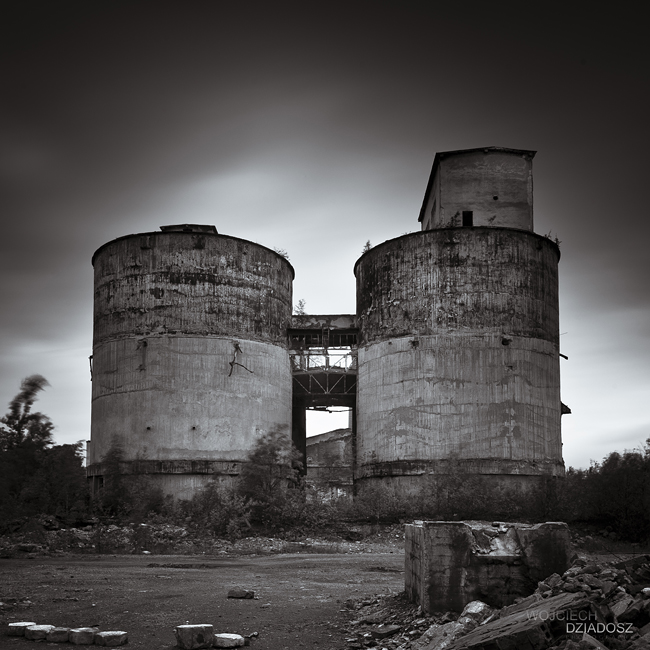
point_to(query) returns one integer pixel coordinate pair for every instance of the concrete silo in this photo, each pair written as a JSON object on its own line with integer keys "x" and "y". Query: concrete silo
{"x": 190, "y": 361}
{"x": 458, "y": 365}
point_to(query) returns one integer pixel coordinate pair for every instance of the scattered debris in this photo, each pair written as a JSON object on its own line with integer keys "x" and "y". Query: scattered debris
{"x": 591, "y": 605}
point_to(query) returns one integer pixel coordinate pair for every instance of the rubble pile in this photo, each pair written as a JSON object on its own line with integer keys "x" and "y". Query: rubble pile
{"x": 592, "y": 605}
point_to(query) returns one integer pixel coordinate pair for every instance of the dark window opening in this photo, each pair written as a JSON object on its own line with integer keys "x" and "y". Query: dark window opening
{"x": 468, "y": 218}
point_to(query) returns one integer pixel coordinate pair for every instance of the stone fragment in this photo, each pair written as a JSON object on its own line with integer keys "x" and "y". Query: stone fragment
{"x": 640, "y": 644}
{"x": 189, "y": 637}
{"x": 228, "y": 640}
{"x": 384, "y": 631}
{"x": 477, "y": 610}
{"x": 374, "y": 619}
{"x": 238, "y": 592}
{"x": 592, "y": 642}
{"x": 82, "y": 635}
{"x": 18, "y": 629}
{"x": 592, "y": 581}
{"x": 620, "y": 605}
{"x": 443, "y": 636}
{"x": 111, "y": 638}
{"x": 35, "y": 632}
{"x": 58, "y": 635}
{"x": 608, "y": 587}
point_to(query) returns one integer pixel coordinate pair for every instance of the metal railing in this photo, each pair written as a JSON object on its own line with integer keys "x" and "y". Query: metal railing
{"x": 324, "y": 359}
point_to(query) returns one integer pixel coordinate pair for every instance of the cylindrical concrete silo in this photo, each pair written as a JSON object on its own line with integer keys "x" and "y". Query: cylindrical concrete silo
{"x": 190, "y": 362}
{"x": 458, "y": 359}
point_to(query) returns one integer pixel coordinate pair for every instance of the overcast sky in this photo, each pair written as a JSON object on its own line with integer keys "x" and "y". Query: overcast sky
{"x": 311, "y": 127}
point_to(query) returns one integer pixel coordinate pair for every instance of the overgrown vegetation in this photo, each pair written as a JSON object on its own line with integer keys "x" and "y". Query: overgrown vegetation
{"x": 271, "y": 496}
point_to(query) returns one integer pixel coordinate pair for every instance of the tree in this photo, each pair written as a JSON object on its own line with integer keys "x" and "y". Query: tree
{"x": 20, "y": 427}
{"x": 59, "y": 486}
{"x": 366, "y": 247}
{"x": 270, "y": 476}
{"x": 299, "y": 309}
{"x": 24, "y": 440}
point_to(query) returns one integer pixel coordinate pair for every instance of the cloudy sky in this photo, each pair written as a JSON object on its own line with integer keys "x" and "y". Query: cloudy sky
{"x": 311, "y": 126}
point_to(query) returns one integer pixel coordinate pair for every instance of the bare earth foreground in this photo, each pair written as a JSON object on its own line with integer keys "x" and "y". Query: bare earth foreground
{"x": 299, "y": 598}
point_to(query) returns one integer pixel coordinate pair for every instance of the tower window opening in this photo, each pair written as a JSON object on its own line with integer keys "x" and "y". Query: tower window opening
{"x": 468, "y": 218}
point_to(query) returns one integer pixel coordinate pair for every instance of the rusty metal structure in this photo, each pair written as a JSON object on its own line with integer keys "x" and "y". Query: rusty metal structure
{"x": 451, "y": 362}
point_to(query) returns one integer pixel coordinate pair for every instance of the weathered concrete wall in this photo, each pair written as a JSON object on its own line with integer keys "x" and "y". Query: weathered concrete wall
{"x": 459, "y": 280}
{"x": 190, "y": 363}
{"x": 496, "y": 184}
{"x": 459, "y": 354}
{"x": 177, "y": 283}
{"x": 449, "y": 564}
{"x": 329, "y": 462}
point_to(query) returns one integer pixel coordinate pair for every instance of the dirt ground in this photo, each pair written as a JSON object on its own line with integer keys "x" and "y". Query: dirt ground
{"x": 299, "y": 598}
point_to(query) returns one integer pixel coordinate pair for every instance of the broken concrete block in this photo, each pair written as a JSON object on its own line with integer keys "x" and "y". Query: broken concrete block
{"x": 189, "y": 637}
{"x": 111, "y": 638}
{"x": 449, "y": 564}
{"x": 238, "y": 592}
{"x": 82, "y": 635}
{"x": 228, "y": 640}
{"x": 384, "y": 631}
{"x": 18, "y": 629}
{"x": 58, "y": 635}
{"x": 35, "y": 632}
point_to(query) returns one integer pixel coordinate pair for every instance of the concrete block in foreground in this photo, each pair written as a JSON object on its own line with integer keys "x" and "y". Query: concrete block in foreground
{"x": 58, "y": 635}
{"x": 189, "y": 637}
{"x": 82, "y": 635}
{"x": 18, "y": 628}
{"x": 228, "y": 640}
{"x": 449, "y": 564}
{"x": 111, "y": 638}
{"x": 36, "y": 632}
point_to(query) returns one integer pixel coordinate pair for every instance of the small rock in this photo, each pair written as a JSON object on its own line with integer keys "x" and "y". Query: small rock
{"x": 238, "y": 592}
{"x": 228, "y": 640}
{"x": 189, "y": 637}
{"x": 111, "y": 638}
{"x": 18, "y": 629}
{"x": 35, "y": 632}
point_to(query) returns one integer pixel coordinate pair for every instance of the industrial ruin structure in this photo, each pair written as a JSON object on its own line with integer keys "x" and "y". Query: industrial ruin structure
{"x": 451, "y": 362}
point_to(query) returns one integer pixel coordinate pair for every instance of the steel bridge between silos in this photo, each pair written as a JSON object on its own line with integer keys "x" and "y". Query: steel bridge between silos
{"x": 323, "y": 354}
